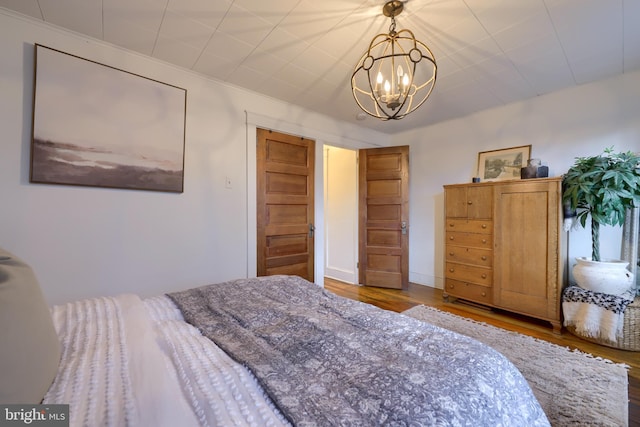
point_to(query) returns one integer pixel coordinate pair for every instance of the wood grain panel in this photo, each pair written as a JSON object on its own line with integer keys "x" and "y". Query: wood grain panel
{"x": 286, "y": 153}
{"x": 470, "y": 291}
{"x": 384, "y": 217}
{"x": 469, "y": 273}
{"x": 387, "y": 187}
{"x": 287, "y": 214}
{"x": 286, "y": 184}
{"x": 285, "y": 170}
{"x": 470, "y": 226}
{"x": 384, "y": 213}
{"x": 387, "y": 238}
{"x": 386, "y": 263}
{"x": 390, "y": 162}
{"x": 469, "y": 239}
{"x": 466, "y": 255}
{"x": 282, "y": 245}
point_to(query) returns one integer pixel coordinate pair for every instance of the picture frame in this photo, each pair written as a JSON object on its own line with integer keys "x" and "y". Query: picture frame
{"x": 503, "y": 164}
{"x": 100, "y": 126}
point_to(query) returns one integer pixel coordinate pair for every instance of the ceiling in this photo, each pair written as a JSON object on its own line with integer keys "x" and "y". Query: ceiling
{"x": 489, "y": 52}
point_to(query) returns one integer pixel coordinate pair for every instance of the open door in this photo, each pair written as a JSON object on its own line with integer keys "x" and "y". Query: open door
{"x": 285, "y": 204}
{"x": 384, "y": 217}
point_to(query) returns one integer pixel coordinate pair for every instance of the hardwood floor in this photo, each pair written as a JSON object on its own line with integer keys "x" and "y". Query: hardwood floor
{"x": 401, "y": 300}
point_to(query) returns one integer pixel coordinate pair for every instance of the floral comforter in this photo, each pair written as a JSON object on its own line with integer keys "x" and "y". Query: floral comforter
{"x": 327, "y": 360}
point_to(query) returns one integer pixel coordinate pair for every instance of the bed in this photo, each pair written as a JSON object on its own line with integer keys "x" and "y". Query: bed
{"x": 270, "y": 351}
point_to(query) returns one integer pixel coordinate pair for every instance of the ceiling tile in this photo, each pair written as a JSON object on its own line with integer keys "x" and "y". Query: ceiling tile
{"x": 176, "y": 52}
{"x": 264, "y": 62}
{"x": 283, "y": 44}
{"x": 82, "y": 16}
{"x": 245, "y": 26}
{"x": 534, "y": 29}
{"x": 545, "y": 45}
{"x": 547, "y": 73}
{"x": 207, "y": 12}
{"x": 306, "y": 23}
{"x": 280, "y": 89}
{"x": 215, "y": 66}
{"x": 498, "y": 15}
{"x": 585, "y": 27}
{"x": 144, "y": 13}
{"x": 246, "y": 77}
{"x": 477, "y": 52}
{"x": 272, "y": 11}
{"x": 129, "y": 35}
{"x": 26, "y": 7}
{"x": 224, "y": 46}
{"x": 599, "y": 66}
{"x": 296, "y": 76}
{"x": 184, "y": 30}
{"x": 343, "y": 43}
{"x": 315, "y": 61}
{"x": 506, "y": 84}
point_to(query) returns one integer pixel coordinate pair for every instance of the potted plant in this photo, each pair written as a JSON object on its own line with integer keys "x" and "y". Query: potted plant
{"x": 602, "y": 188}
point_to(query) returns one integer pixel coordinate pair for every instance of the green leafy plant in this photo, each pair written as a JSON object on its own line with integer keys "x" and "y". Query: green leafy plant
{"x": 602, "y": 187}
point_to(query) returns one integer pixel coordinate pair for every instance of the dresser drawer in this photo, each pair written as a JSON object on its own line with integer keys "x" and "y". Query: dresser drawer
{"x": 464, "y": 290}
{"x": 484, "y": 241}
{"x": 465, "y": 255}
{"x": 469, "y": 273}
{"x": 469, "y": 225}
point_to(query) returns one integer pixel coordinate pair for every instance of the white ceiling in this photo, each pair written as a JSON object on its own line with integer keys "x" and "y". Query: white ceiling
{"x": 489, "y": 52}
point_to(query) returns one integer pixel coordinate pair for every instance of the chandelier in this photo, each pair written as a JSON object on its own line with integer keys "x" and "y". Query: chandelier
{"x": 396, "y": 74}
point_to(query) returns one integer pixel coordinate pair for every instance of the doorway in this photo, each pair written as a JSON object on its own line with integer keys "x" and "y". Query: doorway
{"x": 341, "y": 214}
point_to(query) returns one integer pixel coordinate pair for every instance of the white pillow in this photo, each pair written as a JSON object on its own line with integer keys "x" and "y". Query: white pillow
{"x": 29, "y": 345}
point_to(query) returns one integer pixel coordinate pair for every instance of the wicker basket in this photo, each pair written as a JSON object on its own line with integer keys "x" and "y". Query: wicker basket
{"x": 630, "y": 339}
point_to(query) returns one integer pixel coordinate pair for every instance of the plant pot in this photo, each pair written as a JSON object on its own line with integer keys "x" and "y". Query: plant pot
{"x": 608, "y": 277}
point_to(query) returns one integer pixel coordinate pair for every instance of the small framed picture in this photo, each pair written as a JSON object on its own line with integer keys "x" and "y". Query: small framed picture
{"x": 503, "y": 164}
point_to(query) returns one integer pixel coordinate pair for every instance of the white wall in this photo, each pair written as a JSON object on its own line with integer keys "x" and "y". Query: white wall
{"x": 84, "y": 241}
{"x": 341, "y": 213}
{"x": 577, "y": 122}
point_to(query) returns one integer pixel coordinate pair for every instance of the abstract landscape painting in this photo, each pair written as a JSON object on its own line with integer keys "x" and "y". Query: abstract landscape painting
{"x": 95, "y": 125}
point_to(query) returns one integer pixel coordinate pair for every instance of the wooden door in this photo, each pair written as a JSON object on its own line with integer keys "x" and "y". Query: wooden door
{"x": 384, "y": 217}
{"x": 285, "y": 171}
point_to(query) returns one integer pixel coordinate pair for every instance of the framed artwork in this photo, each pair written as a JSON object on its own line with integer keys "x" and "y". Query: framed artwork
{"x": 503, "y": 164}
{"x": 95, "y": 125}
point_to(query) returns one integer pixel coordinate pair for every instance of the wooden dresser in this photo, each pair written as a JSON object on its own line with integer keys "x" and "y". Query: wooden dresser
{"x": 504, "y": 246}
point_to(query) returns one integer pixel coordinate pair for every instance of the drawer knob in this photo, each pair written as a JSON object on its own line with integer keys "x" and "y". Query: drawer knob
{"x": 484, "y": 258}
{"x": 451, "y": 224}
{"x": 484, "y": 225}
{"x": 469, "y": 202}
{"x": 451, "y": 270}
{"x": 450, "y": 286}
{"x": 484, "y": 276}
{"x": 484, "y": 294}
{"x": 451, "y": 254}
{"x": 451, "y": 238}
{"x": 483, "y": 240}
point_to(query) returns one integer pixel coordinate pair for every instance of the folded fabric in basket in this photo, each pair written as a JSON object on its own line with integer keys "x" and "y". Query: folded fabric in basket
{"x": 594, "y": 314}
